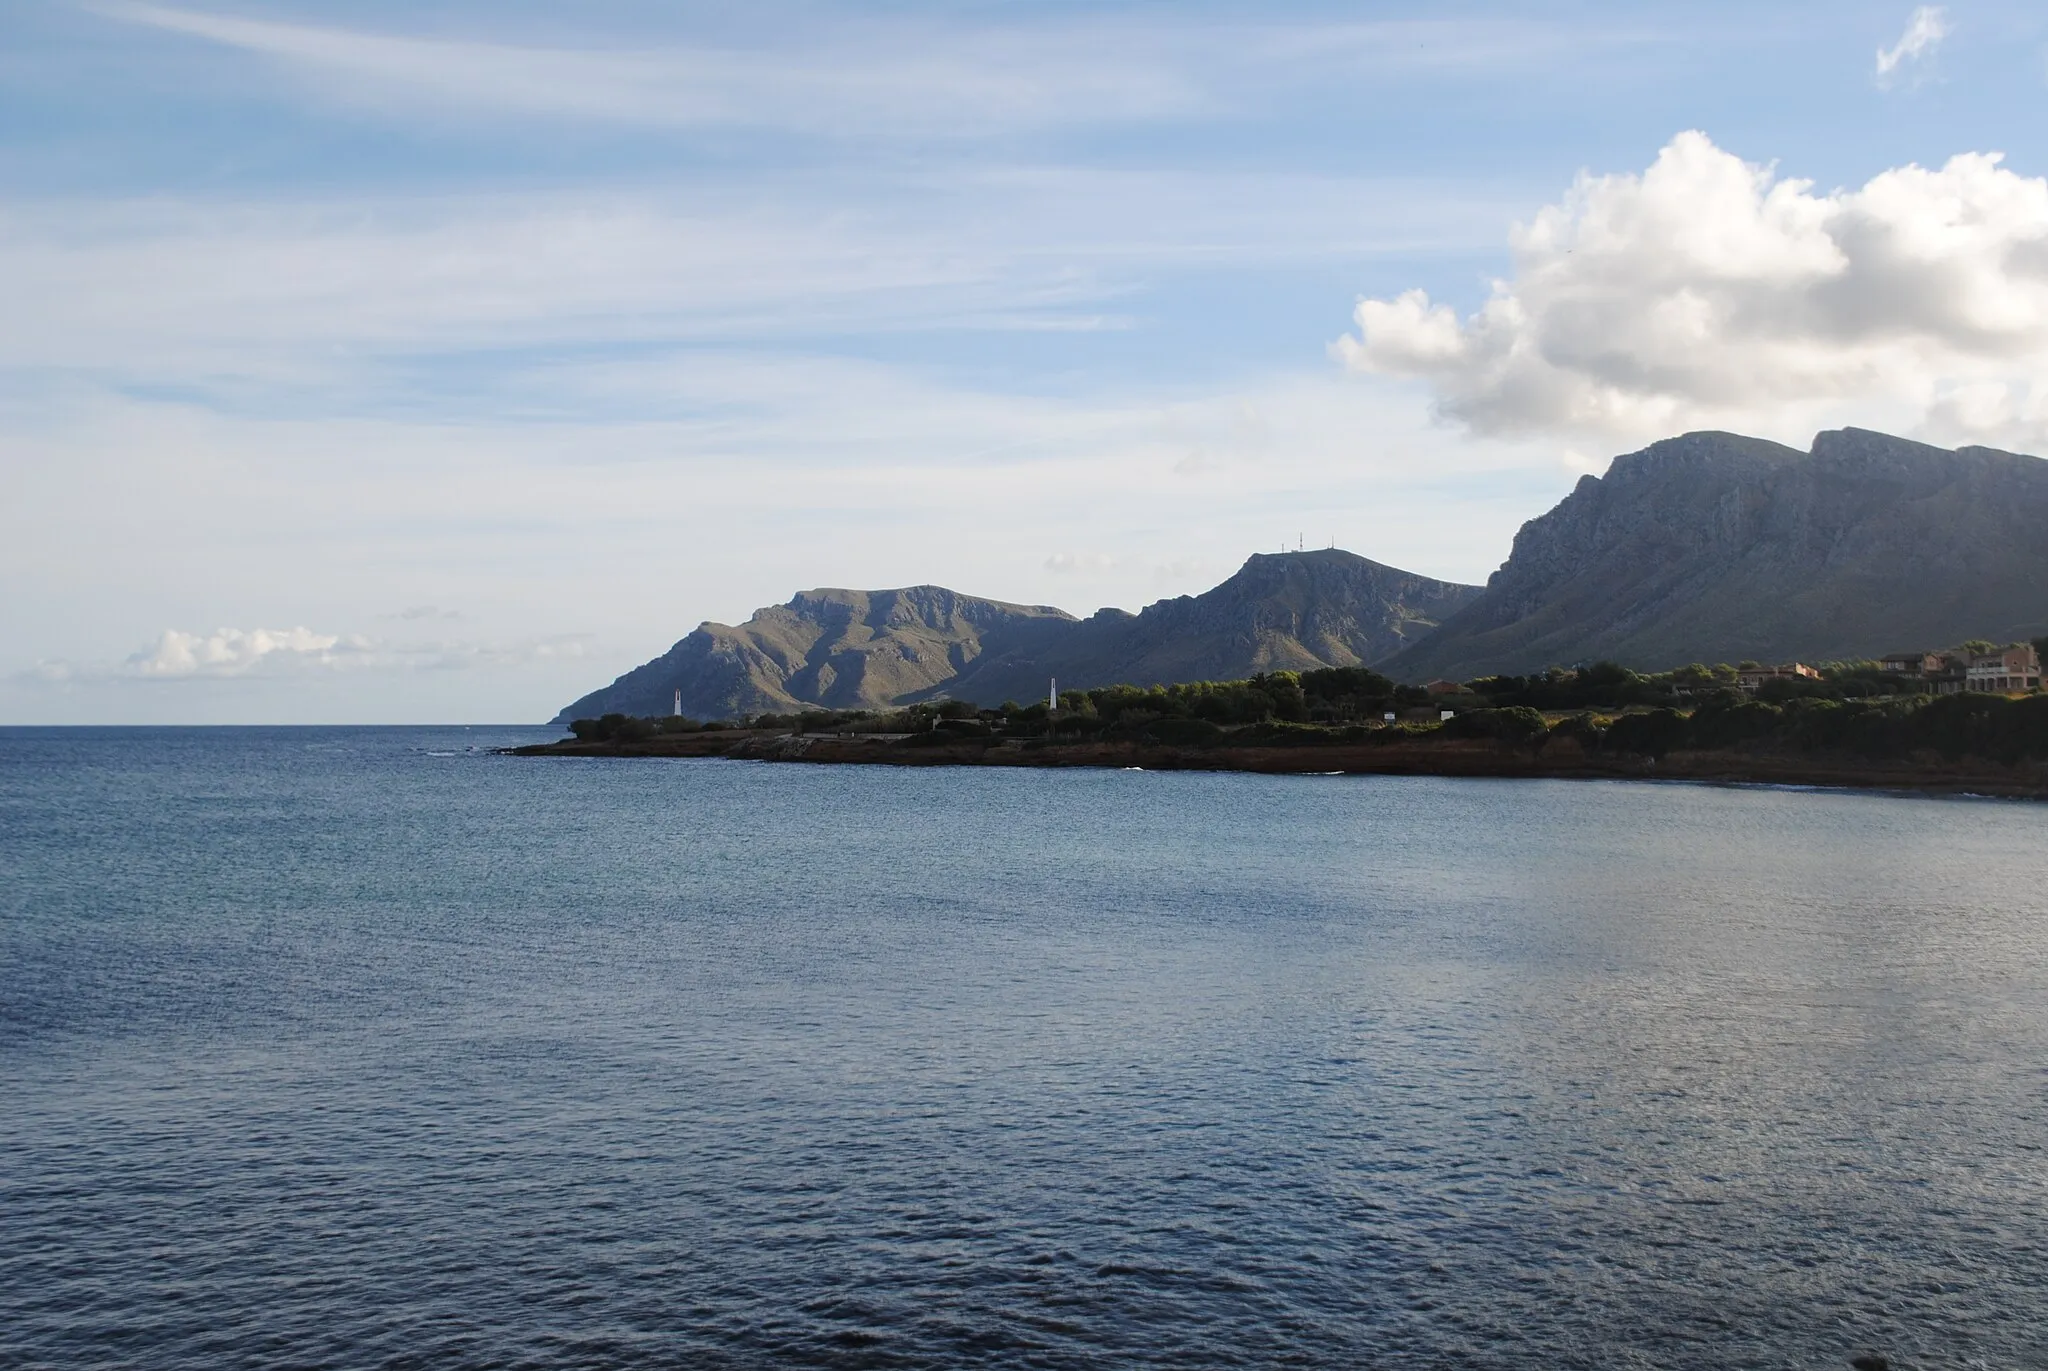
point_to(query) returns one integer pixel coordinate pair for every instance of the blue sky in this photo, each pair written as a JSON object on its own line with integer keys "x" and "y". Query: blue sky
{"x": 438, "y": 361}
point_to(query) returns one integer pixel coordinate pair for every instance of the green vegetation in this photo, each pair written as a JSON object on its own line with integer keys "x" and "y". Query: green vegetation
{"x": 1850, "y": 709}
{"x": 624, "y": 728}
{"x": 1988, "y": 727}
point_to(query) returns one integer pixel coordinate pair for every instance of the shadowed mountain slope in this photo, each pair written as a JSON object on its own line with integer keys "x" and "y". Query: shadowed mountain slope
{"x": 1713, "y": 547}
{"x": 845, "y": 649}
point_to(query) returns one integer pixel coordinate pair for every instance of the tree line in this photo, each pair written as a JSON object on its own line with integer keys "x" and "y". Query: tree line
{"x": 1851, "y": 708}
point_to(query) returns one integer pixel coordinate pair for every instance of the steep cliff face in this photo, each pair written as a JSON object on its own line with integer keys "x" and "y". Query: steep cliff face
{"x": 845, "y": 649}
{"x": 836, "y": 649}
{"x": 1713, "y": 547}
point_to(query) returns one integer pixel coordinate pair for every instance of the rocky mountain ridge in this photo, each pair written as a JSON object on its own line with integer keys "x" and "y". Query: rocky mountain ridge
{"x": 843, "y": 649}
{"x": 1715, "y": 547}
{"x": 1706, "y": 547}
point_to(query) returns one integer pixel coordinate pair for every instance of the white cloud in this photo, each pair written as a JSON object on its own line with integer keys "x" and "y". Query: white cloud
{"x": 958, "y": 88}
{"x": 877, "y": 75}
{"x": 1924, "y": 32}
{"x": 1079, "y": 563}
{"x": 238, "y": 652}
{"x": 1709, "y": 291}
{"x": 262, "y": 297}
{"x": 272, "y": 653}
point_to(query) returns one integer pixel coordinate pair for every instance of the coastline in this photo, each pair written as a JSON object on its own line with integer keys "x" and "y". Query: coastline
{"x": 1558, "y": 759}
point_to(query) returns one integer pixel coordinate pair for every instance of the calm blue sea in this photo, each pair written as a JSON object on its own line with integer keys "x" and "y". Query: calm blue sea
{"x": 368, "y": 1048}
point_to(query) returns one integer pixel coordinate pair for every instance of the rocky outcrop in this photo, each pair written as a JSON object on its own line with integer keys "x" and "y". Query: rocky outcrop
{"x": 847, "y": 649}
{"x": 1713, "y": 547}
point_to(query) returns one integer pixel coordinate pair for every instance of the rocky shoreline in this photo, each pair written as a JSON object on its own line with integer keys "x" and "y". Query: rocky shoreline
{"x": 1558, "y": 758}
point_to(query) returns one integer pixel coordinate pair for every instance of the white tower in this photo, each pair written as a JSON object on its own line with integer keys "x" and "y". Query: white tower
{"x": 679, "y": 704}
{"x": 1052, "y": 696}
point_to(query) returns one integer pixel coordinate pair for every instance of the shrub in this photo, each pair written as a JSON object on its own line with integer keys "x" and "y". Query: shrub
{"x": 1656, "y": 733}
{"x": 1582, "y": 726}
{"x": 1517, "y": 724}
{"x": 1724, "y": 723}
{"x": 612, "y": 728}
{"x": 1183, "y": 732}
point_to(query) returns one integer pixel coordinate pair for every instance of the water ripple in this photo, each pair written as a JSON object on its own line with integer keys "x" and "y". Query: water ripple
{"x": 389, "y": 1052}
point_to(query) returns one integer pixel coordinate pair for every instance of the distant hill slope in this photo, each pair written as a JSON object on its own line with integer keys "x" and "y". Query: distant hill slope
{"x": 1288, "y": 611}
{"x": 844, "y": 649}
{"x": 836, "y": 649}
{"x": 1713, "y": 547}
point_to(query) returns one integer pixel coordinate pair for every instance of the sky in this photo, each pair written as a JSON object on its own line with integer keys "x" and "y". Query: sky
{"x": 436, "y": 362}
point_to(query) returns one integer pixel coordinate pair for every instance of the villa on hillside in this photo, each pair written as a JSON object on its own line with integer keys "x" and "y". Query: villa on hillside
{"x": 2008, "y": 669}
{"x": 2004, "y": 671}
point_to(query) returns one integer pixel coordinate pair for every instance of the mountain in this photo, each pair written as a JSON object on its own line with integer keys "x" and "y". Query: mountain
{"x": 844, "y": 649}
{"x": 1718, "y": 548}
{"x": 1289, "y": 611}
{"x": 835, "y": 649}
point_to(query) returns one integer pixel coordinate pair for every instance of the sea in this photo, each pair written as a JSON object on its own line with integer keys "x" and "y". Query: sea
{"x": 374, "y": 1048}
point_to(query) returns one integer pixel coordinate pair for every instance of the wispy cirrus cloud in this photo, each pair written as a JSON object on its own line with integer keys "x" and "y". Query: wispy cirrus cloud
{"x": 184, "y": 292}
{"x": 887, "y": 77}
{"x": 958, "y": 83}
{"x": 1924, "y": 31}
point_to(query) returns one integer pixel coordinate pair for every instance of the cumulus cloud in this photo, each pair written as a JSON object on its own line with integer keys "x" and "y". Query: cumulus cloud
{"x": 273, "y": 652}
{"x": 1924, "y": 32}
{"x": 1709, "y": 291}
{"x": 238, "y": 652}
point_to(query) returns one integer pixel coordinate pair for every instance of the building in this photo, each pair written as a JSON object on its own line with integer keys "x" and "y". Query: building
{"x": 1941, "y": 672}
{"x": 2006, "y": 670}
{"x": 1752, "y": 678}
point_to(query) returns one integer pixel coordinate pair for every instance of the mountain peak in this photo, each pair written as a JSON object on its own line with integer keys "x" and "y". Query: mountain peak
{"x": 1714, "y": 546}
{"x": 849, "y": 648}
